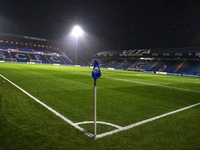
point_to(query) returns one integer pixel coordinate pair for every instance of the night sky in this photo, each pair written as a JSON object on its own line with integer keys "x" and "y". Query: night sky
{"x": 110, "y": 24}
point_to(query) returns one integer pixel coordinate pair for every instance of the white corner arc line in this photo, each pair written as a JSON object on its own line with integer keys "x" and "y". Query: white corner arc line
{"x": 145, "y": 121}
{"x": 50, "y": 109}
{"x": 100, "y": 122}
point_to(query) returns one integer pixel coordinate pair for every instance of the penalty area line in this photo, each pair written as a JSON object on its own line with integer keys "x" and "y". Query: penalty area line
{"x": 50, "y": 109}
{"x": 145, "y": 121}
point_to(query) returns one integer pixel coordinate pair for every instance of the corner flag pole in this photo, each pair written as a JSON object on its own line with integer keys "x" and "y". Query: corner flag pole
{"x": 95, "y": 108}
{"x": 96, "y": 73}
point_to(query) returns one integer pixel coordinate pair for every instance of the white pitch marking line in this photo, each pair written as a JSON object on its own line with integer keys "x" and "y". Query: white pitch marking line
{"x": 104, "y": 134}
{"x": 144, "y": 121}
{"x": 99, "y": 122}
{"x": 50, "y": 109}
{"x": 146, "y": 83}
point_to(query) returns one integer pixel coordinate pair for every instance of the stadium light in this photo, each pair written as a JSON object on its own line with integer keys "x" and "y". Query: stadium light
{"x": 76, "y": 32}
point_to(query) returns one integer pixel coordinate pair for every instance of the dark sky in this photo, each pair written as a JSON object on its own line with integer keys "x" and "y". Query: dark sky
{"x": 115, "y": 24}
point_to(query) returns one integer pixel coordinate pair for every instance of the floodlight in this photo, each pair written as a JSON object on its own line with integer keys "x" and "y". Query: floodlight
{"x": 77, "y": 31}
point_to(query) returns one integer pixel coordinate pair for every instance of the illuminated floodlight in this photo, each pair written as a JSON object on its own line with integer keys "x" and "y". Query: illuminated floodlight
{"x": 77, "y": 31}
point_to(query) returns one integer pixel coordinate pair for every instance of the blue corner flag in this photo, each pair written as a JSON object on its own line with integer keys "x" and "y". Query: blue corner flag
{"x": 96, "y": 72}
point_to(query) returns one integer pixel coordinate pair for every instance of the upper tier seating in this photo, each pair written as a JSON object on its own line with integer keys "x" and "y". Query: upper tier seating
{"x": 29, "y": 56}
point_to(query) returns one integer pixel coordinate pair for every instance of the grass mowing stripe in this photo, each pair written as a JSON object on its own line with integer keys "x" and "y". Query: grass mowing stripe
{"x": 146, "y": 83}
{"x": 50, "y": 109}
{"x": 145, "y": 121}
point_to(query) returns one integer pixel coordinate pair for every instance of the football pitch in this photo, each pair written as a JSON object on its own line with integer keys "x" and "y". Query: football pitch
{"x": 51, "y": 107}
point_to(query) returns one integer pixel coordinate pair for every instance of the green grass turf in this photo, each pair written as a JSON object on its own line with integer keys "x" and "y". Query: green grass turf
{"x": 123, "y": 98}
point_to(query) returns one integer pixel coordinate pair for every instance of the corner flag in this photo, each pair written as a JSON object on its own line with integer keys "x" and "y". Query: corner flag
{"x": 96, "y": 72}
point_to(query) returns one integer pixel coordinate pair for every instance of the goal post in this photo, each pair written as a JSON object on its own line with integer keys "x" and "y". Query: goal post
{"x": 35, "y": 61}
{"x": 9, "y": 59}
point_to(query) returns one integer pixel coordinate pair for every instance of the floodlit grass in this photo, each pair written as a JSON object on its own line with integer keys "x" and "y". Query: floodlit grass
{"x": 123, "y": 98}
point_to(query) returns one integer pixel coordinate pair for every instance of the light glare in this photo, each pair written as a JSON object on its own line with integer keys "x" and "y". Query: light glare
{"x": 77, "y": 31}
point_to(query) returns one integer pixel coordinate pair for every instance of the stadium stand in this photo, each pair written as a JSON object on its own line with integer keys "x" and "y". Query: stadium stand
{"x": 172, "y": 60}
{"x": 190, "y": 67}
{"x": 124, "y": 65}
{"x": 27, "y": 56}
{"x": 25, "y": 49}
